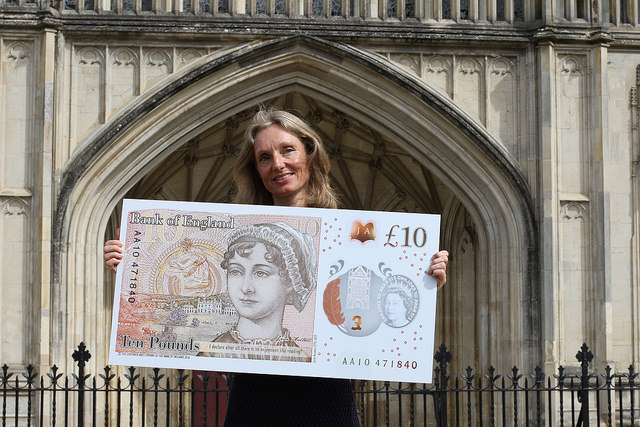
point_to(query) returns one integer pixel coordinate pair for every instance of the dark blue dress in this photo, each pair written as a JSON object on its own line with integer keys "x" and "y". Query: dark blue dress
{"x": 273, "y": 400}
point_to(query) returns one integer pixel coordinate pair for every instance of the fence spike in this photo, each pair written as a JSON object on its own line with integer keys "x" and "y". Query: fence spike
{"x": 5, "y": 374}
{"x": 492, "y": 377}
{"x": 132, "y": 376}
{"x": 181, "y": 377}
{"x": 538, "y": 375}
{"x": 632, "y": 375}
{"x": 514, "y": 377}
{"x": 30, "y": 375}
{"x": 54, "y": 376}
{"x": 560, "y": 376}
{"x": 468, "y": 376}
{"x": 156, "y": 377}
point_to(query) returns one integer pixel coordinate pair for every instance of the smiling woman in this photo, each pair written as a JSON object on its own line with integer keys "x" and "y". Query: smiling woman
{"x": 282, "y": 164}
{"x": 279, "y": 134}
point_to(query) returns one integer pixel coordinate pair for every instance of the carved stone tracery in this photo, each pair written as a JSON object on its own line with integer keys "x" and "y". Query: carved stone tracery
{"x": 18, "y": 52}
{"x": 501, "y": 66}
{"x": 574, "y": 210}
{"x": 469, "y": 66}
{"x": 158, "y": 58}
{"x": 124, "y": 57}
{"x": 572, "y": 65}
{"x": 89, "y": 56}
{"x": 11, "y": 206}
{"x": 438, "y": 64}
{"x": 408, "y": 62}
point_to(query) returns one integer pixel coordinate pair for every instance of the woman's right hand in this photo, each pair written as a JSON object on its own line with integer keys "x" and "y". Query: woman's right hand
{"x": 113, "y": 252}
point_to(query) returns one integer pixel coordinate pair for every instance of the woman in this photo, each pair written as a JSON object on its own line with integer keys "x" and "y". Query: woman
{"x": 282, "y": 162}
{"x": 268, "y": 267}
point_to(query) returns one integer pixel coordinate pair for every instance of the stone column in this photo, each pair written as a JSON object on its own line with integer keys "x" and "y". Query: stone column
{"x": 549, "y": 202}
{"x": 43, "y": 190}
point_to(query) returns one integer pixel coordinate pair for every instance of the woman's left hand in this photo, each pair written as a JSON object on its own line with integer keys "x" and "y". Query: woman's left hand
{"x": 438, "y": 267}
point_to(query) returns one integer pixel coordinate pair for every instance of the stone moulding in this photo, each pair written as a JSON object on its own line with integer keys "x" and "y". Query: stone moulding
{"x": 322, "y": 53}
{"x": 246, "y": 55}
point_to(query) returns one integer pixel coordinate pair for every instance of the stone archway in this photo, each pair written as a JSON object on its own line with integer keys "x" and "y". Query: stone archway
{"x": 378, "y": 98}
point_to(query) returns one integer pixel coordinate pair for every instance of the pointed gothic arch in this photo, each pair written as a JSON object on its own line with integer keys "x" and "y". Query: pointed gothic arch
{"x": 488, "y": 182}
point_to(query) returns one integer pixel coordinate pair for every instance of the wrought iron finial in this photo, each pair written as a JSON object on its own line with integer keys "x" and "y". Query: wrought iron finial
{"x": 538, "y": 376}
{"x": 584, "y": 356}
{"x": 5, "y": 374}
{"x": 156, "y": 377}
{"x": 443, "y": 356}
{"x": 131, "y": 376}
{"x": 54, "y": 376}
{"x": 30, "y": 375}
{"x": 181, "y": 377}
{"x": 515, "y": 376}
{"x": 561, "y": 375}
{"x": 81, "y": 355}
{"x": 492, "y": 377}
{"x": 632, "y": 375}
{"x": 608, "y": 377}
{"x": 469, "y": 376}
{"x": 107, "y": 376}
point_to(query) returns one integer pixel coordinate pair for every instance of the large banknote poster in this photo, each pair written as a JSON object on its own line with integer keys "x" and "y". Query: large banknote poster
{"x": 265, "y": 289}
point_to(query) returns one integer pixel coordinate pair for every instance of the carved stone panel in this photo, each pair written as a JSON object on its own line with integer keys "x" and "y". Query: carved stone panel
{"x": 573, "y": 271}
{"x": 104, "y": 78}
{"x": 188, "y": 55}
{"x": 156, "y": 66}
{"x": 572, "y": 119}
{"x": 88, "y": 77}
{"x": 15, "y": 299}
{"x": 486, "y": 87}
{"x": 17, "y": 101}
{"x": 410, "y": 62}
{"x": 438, "y": 72}
{"x": 469, "y": 86}
{"x": 14, "y": 206}
{"x": 502, "y": 102}
{"x": 124, "y": 78}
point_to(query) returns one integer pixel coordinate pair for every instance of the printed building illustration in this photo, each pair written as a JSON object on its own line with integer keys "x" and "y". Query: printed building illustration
{"x": 359, "y": 288}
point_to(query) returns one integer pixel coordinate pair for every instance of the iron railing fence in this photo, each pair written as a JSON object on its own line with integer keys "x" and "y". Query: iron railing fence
{"x": 176, "y": 398}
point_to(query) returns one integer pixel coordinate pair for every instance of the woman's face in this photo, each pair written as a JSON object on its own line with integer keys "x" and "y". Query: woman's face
{"x": 282, "y": 164}
{"x": 256, "y": 289}
{"x": 394, "y": 307}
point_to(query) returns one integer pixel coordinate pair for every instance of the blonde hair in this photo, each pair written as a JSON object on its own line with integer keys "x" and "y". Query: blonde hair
{"x": 251, "y": 190}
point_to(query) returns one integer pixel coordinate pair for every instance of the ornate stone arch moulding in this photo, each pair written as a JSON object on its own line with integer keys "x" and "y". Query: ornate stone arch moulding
{"x": 485, "y": 177}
